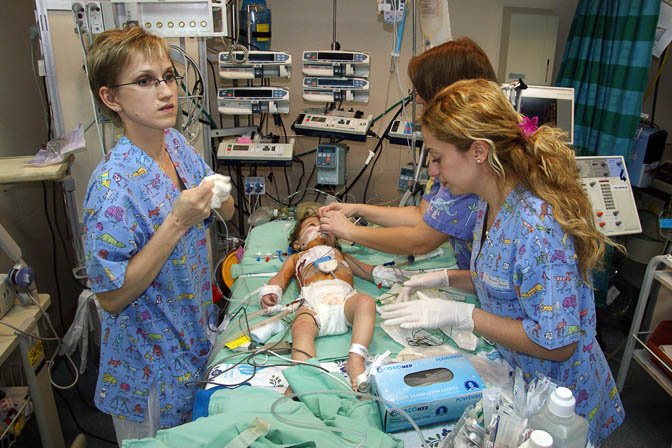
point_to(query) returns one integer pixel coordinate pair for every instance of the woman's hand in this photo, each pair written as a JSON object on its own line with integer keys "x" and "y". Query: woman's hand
{"x": 193, "y": 205}
{"x": 429, "y": 313}
{"x": 336, "y": 223}
{"x": 348, "y": 210}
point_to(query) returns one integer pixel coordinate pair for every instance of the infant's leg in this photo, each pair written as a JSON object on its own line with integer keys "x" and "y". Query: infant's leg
{"x": 360, "y": 310}
{"x": 304, "y": 331}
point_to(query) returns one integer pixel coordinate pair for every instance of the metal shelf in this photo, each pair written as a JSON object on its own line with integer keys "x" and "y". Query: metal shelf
{"x": 643, "y": 355}
{"x": 643, "y": 358}
{"x": 664, "y": 277}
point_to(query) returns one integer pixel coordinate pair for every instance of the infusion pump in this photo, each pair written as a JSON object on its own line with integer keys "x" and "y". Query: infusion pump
{"x": 605, "y": 180}
{"x": 255, "y": 65}
{"x": 333, "y": 90}
{"x": 252, "y": 100}
{"x": 336, "y": 63}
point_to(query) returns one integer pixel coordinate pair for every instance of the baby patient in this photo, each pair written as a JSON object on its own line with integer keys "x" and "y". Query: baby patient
{"x": 330, "y": 304}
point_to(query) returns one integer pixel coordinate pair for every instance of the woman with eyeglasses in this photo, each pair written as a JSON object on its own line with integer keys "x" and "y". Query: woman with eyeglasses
{"x": 147, "y": 207}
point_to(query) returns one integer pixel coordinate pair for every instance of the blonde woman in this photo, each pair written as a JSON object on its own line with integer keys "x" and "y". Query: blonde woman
{"x": 535, "y": 245}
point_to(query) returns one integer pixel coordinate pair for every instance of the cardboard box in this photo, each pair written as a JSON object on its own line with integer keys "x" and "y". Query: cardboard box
{"x": 430, "y": 390}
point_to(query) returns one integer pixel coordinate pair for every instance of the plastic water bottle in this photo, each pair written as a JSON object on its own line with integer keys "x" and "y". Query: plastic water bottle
{"x": 538, "y": 439}
{"x": 559, "y": 420}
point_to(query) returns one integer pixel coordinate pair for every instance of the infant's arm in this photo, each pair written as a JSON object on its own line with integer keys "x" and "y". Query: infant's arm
{"x": 281, "y": 279}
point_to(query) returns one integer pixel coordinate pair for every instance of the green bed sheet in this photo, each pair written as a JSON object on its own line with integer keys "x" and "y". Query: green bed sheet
{"x": 254, "y": 271}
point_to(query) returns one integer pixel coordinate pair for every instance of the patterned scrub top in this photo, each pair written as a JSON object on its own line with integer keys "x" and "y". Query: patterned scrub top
{"x": 527, "y": 270}
{"x": 454, "y": 215}
{"x": 431, "y": 189}
{"x": 160, "y": 337}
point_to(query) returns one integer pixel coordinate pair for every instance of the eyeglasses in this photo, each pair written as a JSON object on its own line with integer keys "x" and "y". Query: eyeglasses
{"x": 146, "y": 83}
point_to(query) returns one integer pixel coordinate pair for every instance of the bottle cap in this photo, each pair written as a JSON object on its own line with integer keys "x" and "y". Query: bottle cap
{"x": 540, "y": 439}
{"x": 562, "y": 402}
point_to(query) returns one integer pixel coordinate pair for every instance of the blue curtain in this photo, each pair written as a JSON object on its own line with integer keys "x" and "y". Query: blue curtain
{"x": 607, "y": 60}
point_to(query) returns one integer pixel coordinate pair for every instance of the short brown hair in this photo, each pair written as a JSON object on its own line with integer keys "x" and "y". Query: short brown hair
{"x": 111, "y": 51}
{"x": 447, "y": 63}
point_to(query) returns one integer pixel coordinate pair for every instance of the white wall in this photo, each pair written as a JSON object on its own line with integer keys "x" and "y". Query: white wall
{"x": 22, "y": 131}
{"x": 307, "y": 24}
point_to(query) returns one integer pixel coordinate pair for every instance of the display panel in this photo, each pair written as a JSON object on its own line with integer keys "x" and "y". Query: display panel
{"x": 553, "y": 105}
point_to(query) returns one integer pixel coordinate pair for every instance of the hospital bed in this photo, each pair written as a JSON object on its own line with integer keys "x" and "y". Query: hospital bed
{"x": 254, "y": 385}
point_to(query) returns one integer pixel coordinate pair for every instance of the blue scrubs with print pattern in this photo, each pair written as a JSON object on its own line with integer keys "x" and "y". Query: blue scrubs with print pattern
{"x": 160, "y": 337}
{"x": 526, "y": 269}
{"x": 454, "y": 215}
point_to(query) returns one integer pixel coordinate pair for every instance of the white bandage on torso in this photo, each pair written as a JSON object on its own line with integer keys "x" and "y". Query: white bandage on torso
{"x": 221, "y": 189}
{"x": 270, "y": 289}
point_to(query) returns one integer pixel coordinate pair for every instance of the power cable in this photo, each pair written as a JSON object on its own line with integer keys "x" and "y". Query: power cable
{"x": 375, "y": 151}
{"x": 55, "y": 264}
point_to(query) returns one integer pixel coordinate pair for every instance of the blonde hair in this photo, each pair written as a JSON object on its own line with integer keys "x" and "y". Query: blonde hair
{"x": 473, "y": 110}
{"x": 111, "y": 51}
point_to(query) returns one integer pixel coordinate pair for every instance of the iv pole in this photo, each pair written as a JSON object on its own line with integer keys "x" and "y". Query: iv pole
{"x": 417, "y": 165}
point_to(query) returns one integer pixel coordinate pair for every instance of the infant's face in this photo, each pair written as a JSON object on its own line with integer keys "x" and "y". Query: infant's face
{"x": 310, "y": 234}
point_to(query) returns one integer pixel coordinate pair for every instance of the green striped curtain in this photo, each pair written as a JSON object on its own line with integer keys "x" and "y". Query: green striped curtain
{"x": 607, "y": 60}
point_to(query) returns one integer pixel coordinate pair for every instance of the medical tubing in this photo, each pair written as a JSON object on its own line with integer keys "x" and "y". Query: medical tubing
{"x": 400, "y": 33}
{"x": 51, "y": 362}
{"x": 343, "y": 430}
{"x": 378, "y": 145}
{"x": 96, "y": 116}
{"x": 408, "y": 98}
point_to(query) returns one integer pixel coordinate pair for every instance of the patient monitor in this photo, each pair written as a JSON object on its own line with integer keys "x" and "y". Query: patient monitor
{"x": 554, "y": 106}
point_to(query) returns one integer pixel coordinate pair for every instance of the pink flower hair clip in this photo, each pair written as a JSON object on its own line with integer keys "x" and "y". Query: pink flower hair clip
{"x": 528, "y": 126}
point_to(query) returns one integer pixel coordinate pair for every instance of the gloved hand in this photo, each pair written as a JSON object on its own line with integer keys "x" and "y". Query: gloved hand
{"x": 429, "y": 313}
{"x": 221, "y": 189}
{"x": 428, "y": 280}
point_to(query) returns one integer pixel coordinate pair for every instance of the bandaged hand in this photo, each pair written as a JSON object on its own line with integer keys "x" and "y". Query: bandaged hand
{"x": 386, "y": 277}
{"x": 221, "y": 189}
{"x": 428, "y": 280}
{"x": 429, "y": 313}
{"x": 269, "y": 295}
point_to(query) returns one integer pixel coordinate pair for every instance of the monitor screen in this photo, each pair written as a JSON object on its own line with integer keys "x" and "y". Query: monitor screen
{"x": 553, "y": 105}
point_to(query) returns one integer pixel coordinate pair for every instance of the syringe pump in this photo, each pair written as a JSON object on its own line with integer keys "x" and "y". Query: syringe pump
{"x": 334, "y": 90}
{"x": 252, "y": 100}
{"x": 333, "y": 63}
{"x": 256, "y": 65}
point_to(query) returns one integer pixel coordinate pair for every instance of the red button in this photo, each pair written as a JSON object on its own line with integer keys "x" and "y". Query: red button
{"x": 602, "y": 224}
{"x": 600, "y": 213}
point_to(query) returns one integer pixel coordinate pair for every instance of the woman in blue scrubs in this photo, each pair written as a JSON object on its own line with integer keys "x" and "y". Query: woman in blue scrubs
{"x": 535, "y": 244}
{"x": 441, "y": 216}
